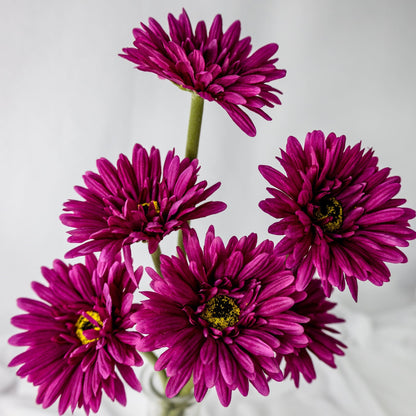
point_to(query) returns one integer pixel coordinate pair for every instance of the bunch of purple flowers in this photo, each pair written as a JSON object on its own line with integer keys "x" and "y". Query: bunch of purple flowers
{"x": 227, "y": 314}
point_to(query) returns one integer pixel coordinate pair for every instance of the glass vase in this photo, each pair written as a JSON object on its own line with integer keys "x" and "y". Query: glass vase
{"x": 159, "y": 405}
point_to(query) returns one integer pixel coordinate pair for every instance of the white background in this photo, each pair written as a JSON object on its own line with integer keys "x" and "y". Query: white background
{"x": 66, "y": 99}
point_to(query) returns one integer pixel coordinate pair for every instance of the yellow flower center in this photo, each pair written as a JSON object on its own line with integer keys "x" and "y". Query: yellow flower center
{"x": 146, "y": 206}
{"x": 84, "y": 324}
{"x": 329, "y": 214}
{"x": 221, "y": 312}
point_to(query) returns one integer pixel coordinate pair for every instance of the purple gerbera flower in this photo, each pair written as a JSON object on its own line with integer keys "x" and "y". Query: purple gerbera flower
{"x": 224, "y": 313}
{"x": 337, "y": 213}
{"x": 314, "y": 305}
{"x": 135, "y": 201}
{"x": 215, "y": 65}
{"x": 78, "y": 335}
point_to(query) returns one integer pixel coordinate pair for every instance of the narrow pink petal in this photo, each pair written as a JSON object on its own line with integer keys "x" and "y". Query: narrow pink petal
{"x": 240, "y": 118}
{"x": 378, "y": 217}
{"x": 104, "y": 363}
{"x": 208, "y": 208}
{"x": 254, "y": 345}
{"x": 275, "y": 306}
{"x": 352, "y": 286}
{"x": 223, "y": 391}
{"x": 304, "y": 273}
{"x": 227, "y": 365}
{"x": 200, "y": 390}
{"x": 242, "y": 357}
{"x": 261, "y": 55}
{"x": 130, "y": 377}
{"x": 176, "y": 382}
{"x": 261, "y": 384}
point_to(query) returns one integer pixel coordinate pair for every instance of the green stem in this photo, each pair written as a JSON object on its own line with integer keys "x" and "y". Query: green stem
{"x": 191, "y": 152}
{"x": 187, "y": 388}
{"x": 194, "y": 126}
{"x": 180, "y": 240}
{"x": 194, "y": 133}
{"x": 156, "y": 259}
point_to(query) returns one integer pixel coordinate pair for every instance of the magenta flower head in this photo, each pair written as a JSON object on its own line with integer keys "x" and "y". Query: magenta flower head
{"x": 215, "y": 65}
{"x": 78, "y": 336}
{"x": 315, "y": 306}
{"x": 135, "y": 201}
{"x": 337, "y": 212}
{"x": 224, "y": 314}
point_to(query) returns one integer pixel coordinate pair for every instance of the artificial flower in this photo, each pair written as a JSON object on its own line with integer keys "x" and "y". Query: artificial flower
{"x": 224, "y": 314}
{"x": 135, "y": 201}
{"x": 78, "y": 335}
{"x": 215, "y": 65}
{"x": 337, "y": 212}
{"x": 313, "y": 304}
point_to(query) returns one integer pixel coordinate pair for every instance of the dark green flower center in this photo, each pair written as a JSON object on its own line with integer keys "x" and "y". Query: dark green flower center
{"x": 221, "y": 312}
{"x": 329, "y": 214}
{"x": 84, "y": 324}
